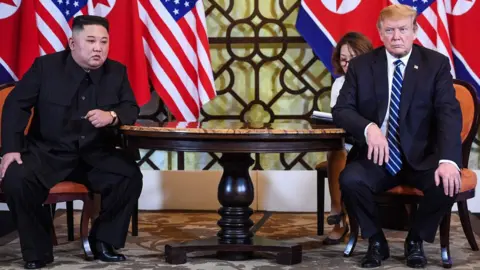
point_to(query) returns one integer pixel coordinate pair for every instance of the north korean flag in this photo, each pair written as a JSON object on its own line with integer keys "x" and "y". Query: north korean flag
{"x": 323, "y": 22}
{"x": 463, "y": 17}
{"x": 19, "y": 46}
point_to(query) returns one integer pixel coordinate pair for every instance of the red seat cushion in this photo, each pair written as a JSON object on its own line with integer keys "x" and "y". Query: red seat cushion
{"x": 67, "y": 187}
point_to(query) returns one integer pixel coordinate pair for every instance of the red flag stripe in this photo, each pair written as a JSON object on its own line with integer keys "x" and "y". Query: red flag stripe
{"x": 205, "y": 78}
{"x": 170, "y": 38}
{"x": 170, "y": 71}
{"x": 52, "y": 23}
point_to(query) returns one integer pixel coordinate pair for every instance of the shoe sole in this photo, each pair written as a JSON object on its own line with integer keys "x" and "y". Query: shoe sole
{"x": 413, "y": 265}
{"x": 97, "y": 258}
{"x": 416, "y": 266}
{"x": 374, "y": 266}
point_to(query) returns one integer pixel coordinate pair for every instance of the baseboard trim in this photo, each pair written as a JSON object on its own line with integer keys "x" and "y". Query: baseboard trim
{"x": 277, "y": 191}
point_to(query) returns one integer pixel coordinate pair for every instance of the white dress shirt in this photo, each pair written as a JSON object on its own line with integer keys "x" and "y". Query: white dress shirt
{"x": 336, "y": 86}
{"x": 391, "y": 70}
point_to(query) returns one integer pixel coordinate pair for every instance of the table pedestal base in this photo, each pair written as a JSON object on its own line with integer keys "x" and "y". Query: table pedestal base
{"x": 235, "y": 240}
{"x": 286, "y": 253}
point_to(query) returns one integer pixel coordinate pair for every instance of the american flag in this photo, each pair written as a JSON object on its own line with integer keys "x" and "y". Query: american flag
{"x": 176, "y": 46}
{"x": 54, "y": 21}
{"x": 174, "y": 39}
{"x": 432, "y": 26}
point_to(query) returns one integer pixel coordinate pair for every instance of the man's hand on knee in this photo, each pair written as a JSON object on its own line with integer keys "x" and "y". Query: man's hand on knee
{"x": 7, "y": 160}
{"x": 377, "y": 145}
{"x": 450, "y": 177}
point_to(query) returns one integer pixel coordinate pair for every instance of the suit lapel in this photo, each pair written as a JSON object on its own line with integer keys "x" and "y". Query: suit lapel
{"x": 380, "y": 74}
{"x": 409, "y": 81}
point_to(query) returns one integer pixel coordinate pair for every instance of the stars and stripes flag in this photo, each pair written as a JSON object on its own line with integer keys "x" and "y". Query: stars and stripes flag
{"x": 442, "y": 25}
{"x": 162, "y": 40}
{"x": 432, "y": 26}
{"x": 54, "y": 21}
{"x": 176, "y": 45}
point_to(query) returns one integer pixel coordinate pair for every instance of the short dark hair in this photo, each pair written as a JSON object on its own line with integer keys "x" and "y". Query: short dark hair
{"x": 79, "y": 22}
{"x": 359, "y": 43}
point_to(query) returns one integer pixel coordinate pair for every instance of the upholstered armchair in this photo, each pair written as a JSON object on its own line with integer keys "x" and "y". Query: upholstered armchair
{"x": 65, "y": 191}
{"x": 467, "y": 97}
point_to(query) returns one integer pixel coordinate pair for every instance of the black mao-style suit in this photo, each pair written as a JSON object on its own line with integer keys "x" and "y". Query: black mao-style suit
{"x": 62, "y": 145}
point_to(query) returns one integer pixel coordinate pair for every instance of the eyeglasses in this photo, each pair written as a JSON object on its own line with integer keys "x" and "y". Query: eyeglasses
{"x": 345, "y": 62}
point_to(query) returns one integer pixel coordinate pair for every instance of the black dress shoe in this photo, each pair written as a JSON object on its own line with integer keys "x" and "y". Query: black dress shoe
{"x": 37, "y": 264}
{"x": 414, "y": 254}
{"x": 376, "y": 253}
{"x": 106, "y": 252}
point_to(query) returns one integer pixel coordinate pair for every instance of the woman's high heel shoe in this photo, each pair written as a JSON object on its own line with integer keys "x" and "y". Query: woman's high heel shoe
{"x": 330, "y": 241}
{"x": 335, "y": 219}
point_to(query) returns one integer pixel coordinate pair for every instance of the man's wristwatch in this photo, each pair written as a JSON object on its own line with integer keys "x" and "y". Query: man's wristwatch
{"x": 114, "y": 116}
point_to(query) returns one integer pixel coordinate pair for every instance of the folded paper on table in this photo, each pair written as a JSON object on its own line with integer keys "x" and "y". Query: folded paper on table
{"x": 324, "y": 116}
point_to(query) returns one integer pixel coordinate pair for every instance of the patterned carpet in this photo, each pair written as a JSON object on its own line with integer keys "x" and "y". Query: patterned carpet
{"x": 160, "y": 228}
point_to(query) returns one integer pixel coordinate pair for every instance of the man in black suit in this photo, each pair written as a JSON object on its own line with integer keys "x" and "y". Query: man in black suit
{"x": 79, "y": 98}
{"x": 399, "y": 103}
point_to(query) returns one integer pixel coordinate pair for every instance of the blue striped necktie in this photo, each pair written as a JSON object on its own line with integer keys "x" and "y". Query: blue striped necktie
{"x": 394, "y": 163}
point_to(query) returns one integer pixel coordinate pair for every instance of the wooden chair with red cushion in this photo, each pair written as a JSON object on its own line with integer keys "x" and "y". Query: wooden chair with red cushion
{"x": 64, "y": 191}
{"x": 467, "y": 97}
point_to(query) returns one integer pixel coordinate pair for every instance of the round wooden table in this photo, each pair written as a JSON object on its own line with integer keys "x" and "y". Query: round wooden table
{"x": 236, "y": 141}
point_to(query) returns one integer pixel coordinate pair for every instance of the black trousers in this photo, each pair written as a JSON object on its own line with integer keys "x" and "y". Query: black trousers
{"x": 25, "y": 195}
{"x": 362, "y": 179}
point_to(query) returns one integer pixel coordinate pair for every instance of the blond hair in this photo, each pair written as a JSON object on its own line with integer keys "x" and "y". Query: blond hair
{"x": 397, "y": 12}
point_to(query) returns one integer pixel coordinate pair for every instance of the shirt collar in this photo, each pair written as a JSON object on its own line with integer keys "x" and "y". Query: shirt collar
{"x": 79, "y": 73}
{"x": 391, "y": 59}
{"x": 96, "y": 74}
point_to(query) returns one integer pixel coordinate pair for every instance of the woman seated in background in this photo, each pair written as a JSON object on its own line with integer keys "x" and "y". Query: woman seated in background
{"x": 350, "y": 45}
